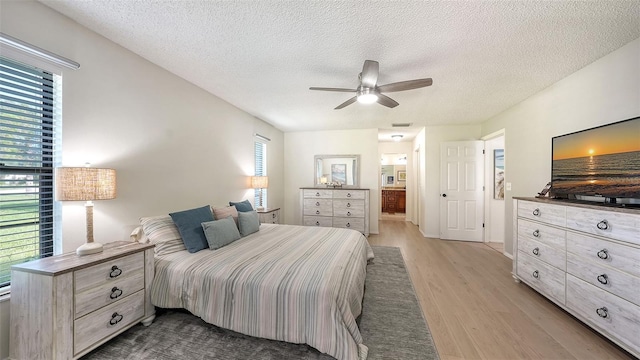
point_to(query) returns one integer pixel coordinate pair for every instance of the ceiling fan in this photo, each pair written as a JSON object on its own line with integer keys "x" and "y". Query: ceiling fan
{"x": 369, "y": 92}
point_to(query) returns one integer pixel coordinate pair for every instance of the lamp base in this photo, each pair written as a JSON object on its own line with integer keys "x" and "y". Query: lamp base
{"x": 89, "y": 248}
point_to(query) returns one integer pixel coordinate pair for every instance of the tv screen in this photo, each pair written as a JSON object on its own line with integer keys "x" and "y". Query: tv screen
{"x": 602, "y": 162}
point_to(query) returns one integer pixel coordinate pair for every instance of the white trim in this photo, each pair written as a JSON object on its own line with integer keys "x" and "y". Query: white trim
{"x": 18, "y": 50}
{"x": 507, "y": 255}
{"x": 493, "y": 135}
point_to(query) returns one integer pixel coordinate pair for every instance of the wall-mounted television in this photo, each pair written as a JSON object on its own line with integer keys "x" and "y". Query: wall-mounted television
{"x": 598, "y": 164}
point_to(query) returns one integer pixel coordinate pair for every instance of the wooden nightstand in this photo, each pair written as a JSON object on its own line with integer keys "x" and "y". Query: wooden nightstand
{"x": 64, "y": 306}
{"x": 269, "y": 216}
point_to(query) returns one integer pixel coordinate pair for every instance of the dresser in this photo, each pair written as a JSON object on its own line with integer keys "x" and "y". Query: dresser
{"x": 586, "y": 259}
{"x": 269, "y": 216}
{"x": 394, "y": 200}
{"x": 340, "y": 208}
{"x": 64, "y": 306}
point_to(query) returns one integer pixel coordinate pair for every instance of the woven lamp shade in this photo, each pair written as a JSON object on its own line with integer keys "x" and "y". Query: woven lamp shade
{"x": 85, "y": 184}
{"x": 259, "y": 182}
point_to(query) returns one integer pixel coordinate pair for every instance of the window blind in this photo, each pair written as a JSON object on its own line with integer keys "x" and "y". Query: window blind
{"x": 30, "y": 102}
{"x": 260, "y": 151}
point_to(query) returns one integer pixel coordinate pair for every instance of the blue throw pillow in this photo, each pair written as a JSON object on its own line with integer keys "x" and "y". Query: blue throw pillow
{"x": 248, "y": 222}
{"x": 189, "y": 226}
{"x": 242, "y": 206}
{"x": 221, "y": 232}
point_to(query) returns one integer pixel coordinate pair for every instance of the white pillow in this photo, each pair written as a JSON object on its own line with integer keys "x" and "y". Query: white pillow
{"x": 137, "y": 235}
{"x": 161, "y": 231}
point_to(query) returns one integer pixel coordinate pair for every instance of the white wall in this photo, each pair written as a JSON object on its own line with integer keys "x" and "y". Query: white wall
{"x": 434, "y": 136}
{"x": 174, "y": 146}
{"x": 603, "y": 92}
{"x": 301, "y": 147}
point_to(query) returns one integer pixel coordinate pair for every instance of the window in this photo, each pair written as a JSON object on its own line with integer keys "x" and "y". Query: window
{"x": 30, "y": 102}
{"x": 260, "y": 153}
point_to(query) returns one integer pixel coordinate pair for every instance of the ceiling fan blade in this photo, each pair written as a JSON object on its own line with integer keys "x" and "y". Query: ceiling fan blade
{"x": 369, "y": 75}
{"x": 406, "y": 85}
{"x": 387, "y": 101}
{"x": 348, "y": 102}
{"x": 332, "y": 89}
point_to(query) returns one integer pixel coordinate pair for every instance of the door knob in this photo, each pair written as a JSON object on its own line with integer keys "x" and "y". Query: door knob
{"x": 444, "y": 195}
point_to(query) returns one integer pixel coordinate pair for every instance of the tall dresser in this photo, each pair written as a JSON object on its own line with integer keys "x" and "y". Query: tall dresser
{"x": 586, "y": 259}
{"x": 340, "y": 208}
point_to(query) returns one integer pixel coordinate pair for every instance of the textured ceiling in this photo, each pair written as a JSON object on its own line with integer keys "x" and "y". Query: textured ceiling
{"x": 262, "y": 56}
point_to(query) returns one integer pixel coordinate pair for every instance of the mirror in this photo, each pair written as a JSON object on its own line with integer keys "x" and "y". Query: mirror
{"x": 338, "y": 170}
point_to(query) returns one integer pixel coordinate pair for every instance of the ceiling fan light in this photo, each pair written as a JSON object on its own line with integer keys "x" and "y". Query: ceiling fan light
{"x": 367, "y": 98}
{"x": 396, "y": 137}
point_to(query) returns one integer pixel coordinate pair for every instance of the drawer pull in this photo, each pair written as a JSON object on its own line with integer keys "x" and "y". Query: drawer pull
{"x": 317, "y": 194}
{"x": 348, "y": 194}
{"x": 115, "y": 272}
{"x": 348, "y": 213}
{"x": 536, "y": 233}
{"x": 603, "y": 254}
{"x": 348, "y": 225}
{"x": 273, "y": 215}
{"x": 115, "y": 318}
{"x": 536, "y": 251}
{"x": 603, "y": 225}
{"x": 603, "y": 279}
{"x": 536, "y": 274}
{"x": 348, "y": 204}
{"x": 536, "y": 212}
{"x": 317, "y": 212}
{"x": 115, "y": 293}
{"x": 317, "y": 223}
{"x": 602, "y": 312}
{"x": 317, "y": 203}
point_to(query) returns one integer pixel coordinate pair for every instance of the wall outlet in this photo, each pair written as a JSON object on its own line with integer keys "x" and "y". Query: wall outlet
{"x": 508, "y": 186}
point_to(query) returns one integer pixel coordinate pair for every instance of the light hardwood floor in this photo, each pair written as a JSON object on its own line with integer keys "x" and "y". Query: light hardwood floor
{"x": 475, "y": 310}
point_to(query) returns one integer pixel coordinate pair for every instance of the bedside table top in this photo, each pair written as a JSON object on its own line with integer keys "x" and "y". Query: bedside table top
{"x": 267, "y": 210}
{"x": 59, "y": 264}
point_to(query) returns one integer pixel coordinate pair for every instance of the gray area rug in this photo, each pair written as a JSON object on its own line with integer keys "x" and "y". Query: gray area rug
{"x": 392, "y": 326}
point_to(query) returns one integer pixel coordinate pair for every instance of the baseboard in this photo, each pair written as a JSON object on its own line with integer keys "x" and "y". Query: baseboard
{"x": 510, "y": 256}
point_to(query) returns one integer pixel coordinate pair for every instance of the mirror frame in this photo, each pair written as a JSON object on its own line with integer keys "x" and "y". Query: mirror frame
{"x": 356, "y": 169}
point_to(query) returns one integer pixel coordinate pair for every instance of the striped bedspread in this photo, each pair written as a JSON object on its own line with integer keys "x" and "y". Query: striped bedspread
{"x": 290, "y": 283}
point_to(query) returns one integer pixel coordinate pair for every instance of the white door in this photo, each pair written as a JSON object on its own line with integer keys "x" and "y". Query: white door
{"x": 461, "y": 194}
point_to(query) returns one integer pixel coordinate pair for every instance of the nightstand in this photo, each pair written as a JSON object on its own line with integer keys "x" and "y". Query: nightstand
{"x": 64, "y": 306}
{"x": 269, "y": 216}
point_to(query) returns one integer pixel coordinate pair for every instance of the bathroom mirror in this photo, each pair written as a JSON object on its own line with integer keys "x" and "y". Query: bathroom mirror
{"x": 340, "y": 170}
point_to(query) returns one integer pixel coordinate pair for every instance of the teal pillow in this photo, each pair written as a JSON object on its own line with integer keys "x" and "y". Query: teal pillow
{"x": 220, "y": 232}
{"x": 248, "y": 222}
{"x": 189, "y": 226}
{"x": 242, "y": 206}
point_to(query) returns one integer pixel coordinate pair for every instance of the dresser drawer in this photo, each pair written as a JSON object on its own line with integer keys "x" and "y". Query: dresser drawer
{"x": 318, "y": 221}
{"x": 320, "y": 207}
{"x": 622, "y": 257}
{"x": 542, "y": 233}
{"x": 541, "y": 276}
{"x": 270, "y": 217}
{"x": 341, "y": 207}
{"x": 107, "y": 293}
{"x": 352, "y": 213}
{"x": 547, "y": 213}
{"x": 546, "y": 253}
{"x": 610, "y": 224}
{"x": 108, "y": 272}
{"x": 606, "y": 311}
{"x": 317, "y": 193}
{"x": 616, "y": 282}
{"x": 94, "y": 327}
{"x": 349, "y": 223}
{"x": 349, "y": 194}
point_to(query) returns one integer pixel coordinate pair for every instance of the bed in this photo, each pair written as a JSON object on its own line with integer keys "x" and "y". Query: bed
{"x": 290, "y": 283}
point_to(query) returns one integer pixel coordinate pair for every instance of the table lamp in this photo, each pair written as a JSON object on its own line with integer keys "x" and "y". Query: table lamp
{"x": 86, "y": 184}
{"x": 260, "y": 182}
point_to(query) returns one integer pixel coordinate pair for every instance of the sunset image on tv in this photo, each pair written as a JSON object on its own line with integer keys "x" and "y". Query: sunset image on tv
{"x": 604, "y": 161}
